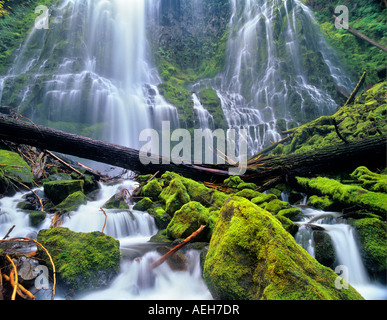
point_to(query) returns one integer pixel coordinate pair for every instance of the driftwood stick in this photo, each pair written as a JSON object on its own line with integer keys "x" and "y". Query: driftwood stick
{"x": 15, "y": 283}
{"x": 177, "y": 248}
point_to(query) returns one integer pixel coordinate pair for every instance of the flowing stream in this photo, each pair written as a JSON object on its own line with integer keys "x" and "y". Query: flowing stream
{"x": 348, "y": 256}
{"x": 133, "y": 229}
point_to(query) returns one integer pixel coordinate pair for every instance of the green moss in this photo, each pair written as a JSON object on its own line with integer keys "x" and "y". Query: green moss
{"x": 36, "y": 217}
{"x": 233, "y": 181}
{"x": 370, "y": 180}
{"x": 290, "y": 213}
{"x": 151, "y": 190}
{"x": 347, "y": 195}
{"x": 251, "y": 256}
{"x": 13, "y": 166}
{"x": 245, "y": 185}
{"x": 276, "y": 206}
{"x": 249, "y": 194}
{"x": 72, "y": 202}
{"x": 162, "y": 219}
{"x": 143, "y": 204}
{"x": 57, "y": 191}
{"x": 322, "y": 203}
{"x": 82, "y": 260}
{"x": 288, "y": 224}
{"x": 116, "y": 202}
{"x": 174, "y": 196}
{"x": 187, "y": 220}
{"x": 372, "y": 235}
{"x": 262, "y": 198}
{"x": 211, "y": 102}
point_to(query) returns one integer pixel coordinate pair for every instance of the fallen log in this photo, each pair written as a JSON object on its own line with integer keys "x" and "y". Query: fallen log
{"x": 28, "y": 133}
{"x": 364, "y": 37}
{"x": 177, "y": 248}
{"x": 368, "y": 152}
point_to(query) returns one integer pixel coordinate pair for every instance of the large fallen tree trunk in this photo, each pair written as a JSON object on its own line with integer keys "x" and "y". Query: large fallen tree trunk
{"x": 370, "y": 151}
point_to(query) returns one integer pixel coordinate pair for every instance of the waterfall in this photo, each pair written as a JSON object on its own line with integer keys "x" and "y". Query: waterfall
{"x": 90, "y": 73}
{"x": 267, "y": 83}
{"x": 348, "y": 257}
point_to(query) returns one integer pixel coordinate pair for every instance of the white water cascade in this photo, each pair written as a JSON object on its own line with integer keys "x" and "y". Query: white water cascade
{"x": 90, "y": 72}
{"x": 348, "y": 257}
{"x": 133, "y": 229}
{"x": 264, "y": 81}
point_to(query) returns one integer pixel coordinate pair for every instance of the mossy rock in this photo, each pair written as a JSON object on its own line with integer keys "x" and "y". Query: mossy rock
{"x": 12, "y": 166}
{"x": 116, "y": 202}
{"x": 57, "y": 191}
{"x": 187, "y": 220}
{"x": 152, "y": 189}
{"x": 246, "y": 185}
{"x": 322, "y": 203}
{"x": 36, "y": 217}
{"x": 83, "y": 261}
{"x": 262, "y": 198}
{"x": 233, "y": 181}
{"x": 346, "y": 195}
{"x": 288, "y": 224}
{"x": 162, "y": 218}
{"x": 72, "y": 202}
{"x": 276, "y": 206}
{"x": 174, "y": 196}
{"x": 252, "y": 257}
{"x": 324, "y": 249}
{"x": 290, "y": 213}
{"x": 372, "y": 235}
{"x": 143, "y": 204}
{"x": 249, "y": 194}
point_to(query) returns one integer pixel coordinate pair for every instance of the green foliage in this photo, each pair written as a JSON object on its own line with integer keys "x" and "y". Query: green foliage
{"x": 367, "y": 17}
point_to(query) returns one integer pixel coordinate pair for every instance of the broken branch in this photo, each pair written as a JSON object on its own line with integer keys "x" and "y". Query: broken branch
{"x": 177, "y": 248}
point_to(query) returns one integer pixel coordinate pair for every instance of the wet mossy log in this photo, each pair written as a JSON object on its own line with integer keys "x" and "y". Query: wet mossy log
{"x": 367, "y": 152}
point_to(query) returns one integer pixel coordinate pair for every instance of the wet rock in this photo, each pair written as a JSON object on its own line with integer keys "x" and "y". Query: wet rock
{"x": 82, "y": 260}
{"x": 57, "y": 191}
{"x": 251, "y": 257}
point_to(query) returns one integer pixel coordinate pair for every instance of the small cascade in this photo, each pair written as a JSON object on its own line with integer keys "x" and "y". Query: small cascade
{"x": 346, "y": 248}
{"x": 204, "y": 118}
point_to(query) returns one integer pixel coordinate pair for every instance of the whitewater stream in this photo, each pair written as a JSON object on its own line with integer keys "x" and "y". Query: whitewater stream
{"x": 133, "y": 229}
{"x": 348, "y": 264}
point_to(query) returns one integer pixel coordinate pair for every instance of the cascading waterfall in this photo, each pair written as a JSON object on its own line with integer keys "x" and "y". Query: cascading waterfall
{"x": 90, "y": 73}
{"x": 346, "y": 248}
{"x": 265, "y": 78}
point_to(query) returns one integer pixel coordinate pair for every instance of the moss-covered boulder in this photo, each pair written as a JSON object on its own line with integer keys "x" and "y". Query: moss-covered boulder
{"x": 288, "y": 225}
{"x": 187, "y": 220}
{"x": 12, "y": 166}
{"x": 82, "y": 260}
{"x": 57, "y": 191}
{"x": 143, "y": 204}
{"x": 372, "y": 235}
{"x": 152, "y": 189}
{"x": 174, "y": 196}
{"x": 72, "y": 202}
{"x": 251, "y": 256}
{"x": 36, "y": 217}
{"x": 346, "y": 195}
{"x": 247, "y": 185}
{"x": 263, "y": 198}
{"x": 162, "y": 218}
{"x": 233, "y": 181}
{"x": 116, "y": 202}
{"x": 290, "y": 213}
{"x": 249, "y": 194}
{"x": 275, "y": 206}
{"x": 324, "y": 249}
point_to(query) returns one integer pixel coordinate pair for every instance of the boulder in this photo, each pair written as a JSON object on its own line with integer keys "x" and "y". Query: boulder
{"x": 82, "y": 260}
{"x": 151, "y": 190}
{"x": 251, "y": 256}
{"x": 372, "y": 235}
{"x": 143, "y": 204}
{"x": 13, "y": 166}
{"x": 72, "y": 202}
{"x": 174, "y": 196}
{"x": 57, "y": 191}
